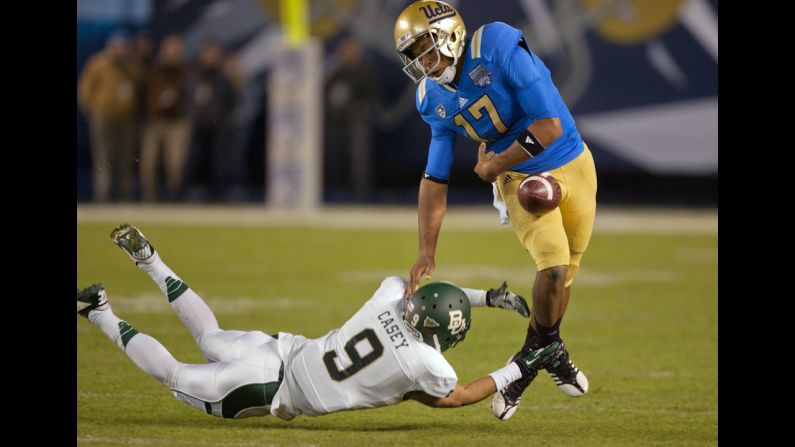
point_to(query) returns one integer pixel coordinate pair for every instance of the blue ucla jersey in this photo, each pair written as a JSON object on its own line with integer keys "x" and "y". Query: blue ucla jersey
{"x": 503, "y": 88}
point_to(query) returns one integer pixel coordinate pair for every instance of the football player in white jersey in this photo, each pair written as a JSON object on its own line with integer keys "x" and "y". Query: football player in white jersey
{"x": 389, "y": 351}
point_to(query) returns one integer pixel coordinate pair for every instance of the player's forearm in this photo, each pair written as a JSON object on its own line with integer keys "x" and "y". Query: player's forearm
{"x": 471, "y": 393}
{"x": 479, "y": 390}
{"x": 431, "y": 209}
{"x": 503, "y": 161}
{"x": 474, "y": 391}
{"x": 477, "y": 297}
{"x": 546, "y": 130}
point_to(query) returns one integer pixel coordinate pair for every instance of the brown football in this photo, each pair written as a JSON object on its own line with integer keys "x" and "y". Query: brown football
{"x": 539, "y": 193}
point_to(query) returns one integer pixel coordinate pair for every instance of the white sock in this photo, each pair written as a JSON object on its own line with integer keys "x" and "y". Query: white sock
{"x": 477, "y": 297}
{"x": 117, "y": 330}
{"x": 190, "y": 308}
{"x": 162, "y": 276}
{"x": 146, "y": 352}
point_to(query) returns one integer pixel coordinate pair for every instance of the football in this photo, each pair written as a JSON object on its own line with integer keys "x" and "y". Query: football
{"x": 539, "y": 193}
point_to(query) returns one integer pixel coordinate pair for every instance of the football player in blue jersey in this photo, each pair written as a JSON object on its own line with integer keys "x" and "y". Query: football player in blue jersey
{"x": 491, "y": 88}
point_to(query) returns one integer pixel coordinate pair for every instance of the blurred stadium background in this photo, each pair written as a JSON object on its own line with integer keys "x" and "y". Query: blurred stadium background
{"x": 640, "y": 77}
{"x": 309, "y": 201}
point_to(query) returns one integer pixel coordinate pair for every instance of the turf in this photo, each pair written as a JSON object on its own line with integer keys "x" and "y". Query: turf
{"x": 642, "y": 324}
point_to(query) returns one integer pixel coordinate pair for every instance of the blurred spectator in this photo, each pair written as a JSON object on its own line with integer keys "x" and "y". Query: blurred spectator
{"x": 143, "y": 47}
{"x": 211, "y": 102}
{"x": 107, "y": 94}
{"x": 231, "y": 66}
{"x": 352, "y": 97}
{"x": 249, "y": 98}
{"x": 167, "y": 122}
{"x": 143, "y": 50}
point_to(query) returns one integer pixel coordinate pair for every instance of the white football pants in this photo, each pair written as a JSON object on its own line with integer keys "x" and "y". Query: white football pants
{"x": 245, "y": 371}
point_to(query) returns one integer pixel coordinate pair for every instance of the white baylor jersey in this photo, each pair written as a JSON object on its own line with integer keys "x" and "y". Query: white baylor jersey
{"x": 371, "y": 361}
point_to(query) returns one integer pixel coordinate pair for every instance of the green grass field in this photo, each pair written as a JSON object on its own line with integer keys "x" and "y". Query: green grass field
{"x": 642, "y": 324}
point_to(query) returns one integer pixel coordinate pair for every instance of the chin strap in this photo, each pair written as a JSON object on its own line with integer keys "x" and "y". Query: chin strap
{"x": 447, "y": 75}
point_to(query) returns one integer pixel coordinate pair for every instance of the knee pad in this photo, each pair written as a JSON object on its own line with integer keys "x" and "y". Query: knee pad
{"x": 574, "y": 267}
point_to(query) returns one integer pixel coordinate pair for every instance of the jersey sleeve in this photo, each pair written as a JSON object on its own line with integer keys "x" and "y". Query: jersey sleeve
{"x": 392, "y": 285}
{"x": 440, "y": 155}
{"x": 522, "y": 70}
{"x": 391, "y": 289}
{"x": 440, "y": 150}
{"x": 526, "y": 78}
{"x": 439, "y": 379}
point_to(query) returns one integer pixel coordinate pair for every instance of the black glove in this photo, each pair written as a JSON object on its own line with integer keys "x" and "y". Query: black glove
{"x": 531, "y": 362}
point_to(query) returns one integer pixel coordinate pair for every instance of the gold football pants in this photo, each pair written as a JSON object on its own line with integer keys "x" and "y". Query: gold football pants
{"x": 560, "y": 236}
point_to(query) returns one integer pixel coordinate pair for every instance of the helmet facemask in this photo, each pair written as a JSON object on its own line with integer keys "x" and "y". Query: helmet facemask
{"x": 441, "y": 46}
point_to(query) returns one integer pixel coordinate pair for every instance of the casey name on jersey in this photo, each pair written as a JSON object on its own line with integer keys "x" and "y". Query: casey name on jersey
{"x": 392, "y": 329}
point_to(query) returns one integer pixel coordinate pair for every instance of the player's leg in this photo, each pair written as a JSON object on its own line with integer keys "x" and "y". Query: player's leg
{"x": 223, "y": 389}
{"x": 578, "y": 209}
{"x": 100, "y": 154}
{"x": 550, "y": 299}
{"x": 216, "y": 344}
{"x": 544, "y": 239}
{"x": 150, "y": 153}
{"x": 176, "y": 139}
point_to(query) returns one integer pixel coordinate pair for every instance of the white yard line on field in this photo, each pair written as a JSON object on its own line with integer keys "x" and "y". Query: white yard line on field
{"x": 608, "y": 219}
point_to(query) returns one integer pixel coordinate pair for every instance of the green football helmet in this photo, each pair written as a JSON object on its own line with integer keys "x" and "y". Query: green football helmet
{"x": 438, "y": 314}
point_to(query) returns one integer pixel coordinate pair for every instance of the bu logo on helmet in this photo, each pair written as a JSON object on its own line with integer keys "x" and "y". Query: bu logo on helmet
{"x": 440, "y": 9}
{"x": 457, "y": 322}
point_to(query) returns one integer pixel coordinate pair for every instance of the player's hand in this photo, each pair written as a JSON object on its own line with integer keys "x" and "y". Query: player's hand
{"x": 506, "y": 299}
{"x": 425, "y": 265}
{"x": 483, "y": 167}
{"x": 540, "y": 358}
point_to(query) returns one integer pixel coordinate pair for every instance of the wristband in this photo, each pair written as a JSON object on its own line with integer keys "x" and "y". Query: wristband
{"x": 530, "y": 143}
{"x": 504, "y": 376}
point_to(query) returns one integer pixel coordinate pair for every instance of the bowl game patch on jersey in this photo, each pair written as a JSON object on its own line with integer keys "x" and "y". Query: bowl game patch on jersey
{"x": 480, "y": 76}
